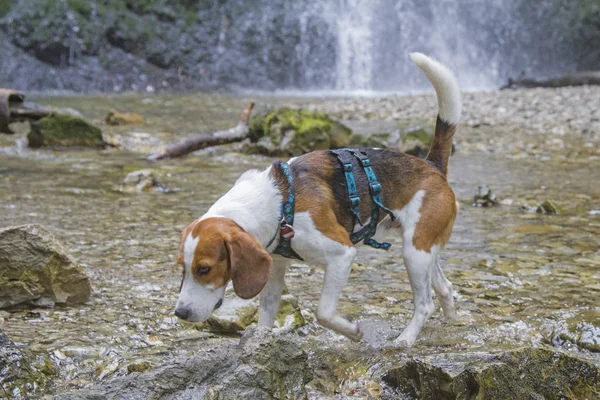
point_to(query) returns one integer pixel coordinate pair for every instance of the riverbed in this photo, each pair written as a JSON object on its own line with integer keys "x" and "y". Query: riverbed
{"x": 521, "y": 278}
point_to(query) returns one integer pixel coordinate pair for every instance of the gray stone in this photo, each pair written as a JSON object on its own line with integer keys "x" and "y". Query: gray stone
{"x": 264, "y": 365}
{"x": 526, "y": 373}
{"x": 140, "y": 181}
{"x": 484, "y": 197}
{"x": 37, "y": 270}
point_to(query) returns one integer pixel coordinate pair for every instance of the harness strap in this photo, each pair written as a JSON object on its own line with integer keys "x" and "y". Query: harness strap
{"x": 286, "y": 230}
{"x": 354, "y": 200}
{"x": 365, "y": 234}
{"x": 374, "y": 186}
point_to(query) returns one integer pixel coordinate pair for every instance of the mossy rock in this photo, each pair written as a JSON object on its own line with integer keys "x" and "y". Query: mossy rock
{"x": 37, "y": 270}
{"x": 289, "y": 317}
{"x": 417, "y": 141}
{"x": 294, "y": 132}
{"x": 64, "y": 131}
{"x": 22, "y": 375}
{"x": 376, "y": 140}
{"x": 526, "y": 373}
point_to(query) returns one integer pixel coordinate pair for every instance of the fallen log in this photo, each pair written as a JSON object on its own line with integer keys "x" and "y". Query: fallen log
{"x": 14, "y": 109}
{"x": 203, "y": 140}
{"x": 572, "y": 79}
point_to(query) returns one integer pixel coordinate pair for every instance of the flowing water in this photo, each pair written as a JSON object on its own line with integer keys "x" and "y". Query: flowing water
{"x": 520, "y": 278}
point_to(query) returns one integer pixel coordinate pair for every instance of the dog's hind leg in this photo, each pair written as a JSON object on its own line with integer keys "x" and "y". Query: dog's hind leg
{"x": 419, "y": 265}
{"x": 443, "y": 289}
{"x": 271, "y": 294}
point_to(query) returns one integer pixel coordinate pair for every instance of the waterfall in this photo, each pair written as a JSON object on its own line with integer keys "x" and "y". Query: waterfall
{"x": 363, "y": 45}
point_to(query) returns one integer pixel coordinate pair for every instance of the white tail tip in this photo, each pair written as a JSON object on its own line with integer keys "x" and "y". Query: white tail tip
{"x": 445, "y": 85}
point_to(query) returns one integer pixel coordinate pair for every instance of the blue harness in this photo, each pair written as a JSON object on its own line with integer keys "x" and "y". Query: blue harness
{"x": 367, "y": 231}
{"x": 286, "y": 230}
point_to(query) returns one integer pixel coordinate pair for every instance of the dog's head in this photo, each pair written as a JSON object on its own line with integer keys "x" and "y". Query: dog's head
{"x": 213, "y": 252}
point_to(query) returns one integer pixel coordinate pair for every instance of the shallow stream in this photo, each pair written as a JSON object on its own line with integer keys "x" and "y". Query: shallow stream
{"x": 520, "y": 277}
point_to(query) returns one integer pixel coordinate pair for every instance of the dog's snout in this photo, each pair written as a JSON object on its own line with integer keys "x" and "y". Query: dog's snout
{"x": 182, "y": 312}
{"x": 219, "y": 304}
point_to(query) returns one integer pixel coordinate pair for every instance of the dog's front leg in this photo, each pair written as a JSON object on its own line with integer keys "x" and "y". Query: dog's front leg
{"x": 271, "y": 295}
{"x": 336, "y": 277}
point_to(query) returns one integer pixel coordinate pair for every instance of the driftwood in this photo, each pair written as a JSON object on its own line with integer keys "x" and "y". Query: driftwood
{"x": 14, "y": 109}
{"x": 573, "y": 79}
{"x": 203, "y": 140}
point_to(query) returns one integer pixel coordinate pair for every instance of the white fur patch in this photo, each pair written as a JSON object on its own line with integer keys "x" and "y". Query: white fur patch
{"x": 189, "y": 249}
{"x": 253, "y": 203}
{"x": 410, "y": 214}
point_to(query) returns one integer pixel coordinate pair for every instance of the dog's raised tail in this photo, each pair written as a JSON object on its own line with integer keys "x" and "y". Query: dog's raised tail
{"x": 449, "y": 107}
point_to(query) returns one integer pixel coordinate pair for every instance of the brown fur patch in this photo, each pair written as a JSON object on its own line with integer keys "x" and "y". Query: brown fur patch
{"x": 438, "y": 212}
{"x": 230, "y": 253}
{"x": 441, "y": 146}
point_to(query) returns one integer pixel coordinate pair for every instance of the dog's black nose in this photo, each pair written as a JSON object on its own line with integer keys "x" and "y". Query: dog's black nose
{"x": 219, "y": 304}
{"x": 182, "y": 312}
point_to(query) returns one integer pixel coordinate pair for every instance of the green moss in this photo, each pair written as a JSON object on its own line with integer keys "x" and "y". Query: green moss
{"x": 289, "y": 315}
{"x": 139, "y": 366}
{"x": 421, "y": 135}
{"x": 82, "y": 7}
{"x": 64, "y": 131}
{"x": 294, "y": 132}
{"x": 5, "y": 6}
{"x": 379, "y": 140}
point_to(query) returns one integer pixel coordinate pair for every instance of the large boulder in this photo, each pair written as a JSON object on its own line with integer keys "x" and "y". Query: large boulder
{"x": 292, "y": 132}
{"x": 35, "y": 269}
{"x": 527, "y": 373}
{"x": 22, "y": 375}
{"x": 264, "y": 365}
{"x": 59, "y": 130}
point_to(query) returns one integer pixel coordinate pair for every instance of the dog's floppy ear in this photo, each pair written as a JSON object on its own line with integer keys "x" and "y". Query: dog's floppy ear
{"x": 250, "y": 265}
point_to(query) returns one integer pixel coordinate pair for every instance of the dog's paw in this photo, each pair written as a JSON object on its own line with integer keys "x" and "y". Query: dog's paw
{"x": 357, "y": 336}
{"x": 405, "y": 341}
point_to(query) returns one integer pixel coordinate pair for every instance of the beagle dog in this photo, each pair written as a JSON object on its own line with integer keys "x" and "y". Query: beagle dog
{"x": 233, "y": 240}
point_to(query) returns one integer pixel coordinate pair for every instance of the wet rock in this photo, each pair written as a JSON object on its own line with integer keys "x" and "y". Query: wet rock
{"x": 140, "y": 181}
{"x": 119, "y": 118}
{"x": 527, "y": 373}
{"x": 64, "y": 131}
{"x": 22, "y": 375}
{"x": 294, "y": 132}
{"x": 35, "y": 269}
{"x": 233, "y": 316}
{"x": 237, "y": 314}
{"x": 582, "y": 331}
{"x": 547, "y": 207}
{"x": 264, "y": 365}
{"x": 484, "y": 197}
{"x": 289, "y": 317}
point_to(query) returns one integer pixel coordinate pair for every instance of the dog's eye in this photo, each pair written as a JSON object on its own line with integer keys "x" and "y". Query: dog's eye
{"x": 202, "y": 271}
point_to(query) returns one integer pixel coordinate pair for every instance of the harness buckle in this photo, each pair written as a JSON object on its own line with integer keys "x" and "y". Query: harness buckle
{"x": 354, "y": 201}
{"x": 375, "y": 188}
{"x": 348, "y": 167}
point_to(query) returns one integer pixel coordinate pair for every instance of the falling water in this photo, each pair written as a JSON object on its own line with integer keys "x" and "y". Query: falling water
{"x": 324, "y": 45}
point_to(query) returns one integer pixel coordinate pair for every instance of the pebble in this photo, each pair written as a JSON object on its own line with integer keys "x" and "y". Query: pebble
{"x": 536, "y": 121}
